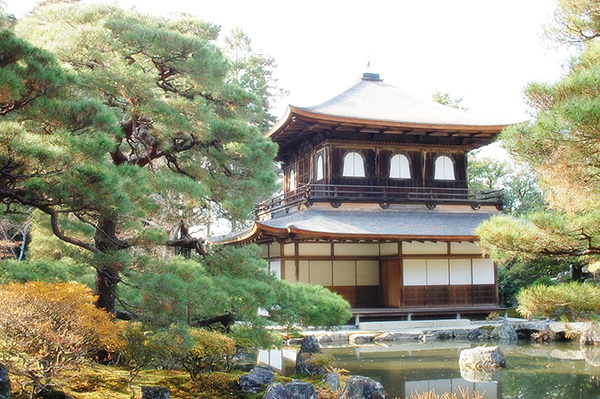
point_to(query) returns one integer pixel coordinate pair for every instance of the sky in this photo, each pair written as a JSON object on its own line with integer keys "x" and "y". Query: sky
{"x": 483, "y": 51}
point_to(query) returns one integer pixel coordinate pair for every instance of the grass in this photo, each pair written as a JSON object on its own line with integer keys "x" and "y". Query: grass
{"x": 110, "y": 382}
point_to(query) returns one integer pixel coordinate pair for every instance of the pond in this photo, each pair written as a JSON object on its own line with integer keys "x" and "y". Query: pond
{"x": 557, "y": 370}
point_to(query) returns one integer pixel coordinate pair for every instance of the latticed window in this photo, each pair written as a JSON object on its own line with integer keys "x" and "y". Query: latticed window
{"x": 354, "y": 165}
{"x": 399, "y": 167}
{"x": 444, "y": 168}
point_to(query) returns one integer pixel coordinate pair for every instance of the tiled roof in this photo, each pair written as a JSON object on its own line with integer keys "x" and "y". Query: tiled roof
{"x": 373, "y": 224}
{"x": 373, "y": 99}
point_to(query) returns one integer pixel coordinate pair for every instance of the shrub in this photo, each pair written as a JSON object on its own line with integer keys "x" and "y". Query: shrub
{"x": 50, "y": 327}
{"x": 196, "y": 350}
{"x": 571, "y": 301}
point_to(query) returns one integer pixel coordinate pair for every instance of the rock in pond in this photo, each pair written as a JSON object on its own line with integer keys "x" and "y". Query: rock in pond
{"x": 258, "y": 378}
{"x": 482, "y": 357}
{"x": 359, "y": 387}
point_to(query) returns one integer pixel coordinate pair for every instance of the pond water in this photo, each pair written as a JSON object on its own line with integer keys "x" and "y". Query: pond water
{"x": 535, "y": 371}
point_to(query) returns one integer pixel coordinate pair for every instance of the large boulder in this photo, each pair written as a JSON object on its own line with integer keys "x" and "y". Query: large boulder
{"x": 304, "y": 360}
{"x": 258, "y": 378}
{"x": 482, "y": 357}
{"x": 301, "y": 389}
{"x": 277, "y": 391}
{"x": 5, "y": 389}
{"x": 359, "y": 387}
{"x": 155, "y": 392}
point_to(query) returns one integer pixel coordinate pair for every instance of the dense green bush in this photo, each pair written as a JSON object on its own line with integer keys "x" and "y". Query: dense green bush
{"x": 572, "y": 301}
{"x": 196, "y": 350}
{"x": 517, "y": 274}
{"x": 304, "y": 305}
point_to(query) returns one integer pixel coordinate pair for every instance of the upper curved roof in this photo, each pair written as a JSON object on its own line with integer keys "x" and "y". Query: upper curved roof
{"x": 373, "y": 99}
{"x": 371, "y": 104}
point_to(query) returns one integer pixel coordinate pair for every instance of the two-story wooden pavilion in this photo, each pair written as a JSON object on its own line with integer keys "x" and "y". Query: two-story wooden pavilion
{"x": 376, "y": 205}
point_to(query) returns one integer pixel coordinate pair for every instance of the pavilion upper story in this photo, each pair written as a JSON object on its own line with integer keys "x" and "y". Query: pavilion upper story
{"x": 377, "y": 143}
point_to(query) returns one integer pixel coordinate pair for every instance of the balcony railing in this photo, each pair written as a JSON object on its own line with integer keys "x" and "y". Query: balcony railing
{"x": 336, "y": 194}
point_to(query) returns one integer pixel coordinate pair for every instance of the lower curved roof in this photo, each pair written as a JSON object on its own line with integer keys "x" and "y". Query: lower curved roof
{"x": 370, "y": 224}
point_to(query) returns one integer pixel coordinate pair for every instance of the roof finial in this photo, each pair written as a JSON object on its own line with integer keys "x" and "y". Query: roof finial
{"x": 368, "y": 75}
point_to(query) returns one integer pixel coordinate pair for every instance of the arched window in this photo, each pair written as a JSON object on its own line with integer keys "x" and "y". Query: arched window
{"x": 354, "y": 165}
{"x": 399, "y": 167}
{"x": 444, "y": 168}
{"x": 320, "y": 170}
{"x": 292, "y": 180}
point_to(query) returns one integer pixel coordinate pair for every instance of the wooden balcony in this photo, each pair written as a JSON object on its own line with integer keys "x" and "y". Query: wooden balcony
{"x": 336, "y": 194}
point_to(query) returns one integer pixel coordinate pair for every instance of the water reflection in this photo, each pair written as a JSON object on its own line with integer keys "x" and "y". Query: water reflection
{"x": 562, "y": 370}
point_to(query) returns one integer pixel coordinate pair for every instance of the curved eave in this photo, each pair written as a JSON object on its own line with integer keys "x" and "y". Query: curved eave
{"x": 292, "y": 112}
{"x": 292, "y": 232}
{"x": 300, "y": 233}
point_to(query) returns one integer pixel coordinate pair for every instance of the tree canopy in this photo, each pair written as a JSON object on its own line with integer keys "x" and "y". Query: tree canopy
{"x": 107, "y": 115}
{"x": 561, "y": 143}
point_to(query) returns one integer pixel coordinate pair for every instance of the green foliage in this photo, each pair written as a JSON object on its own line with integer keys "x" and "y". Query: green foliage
{"x": 109, "y": 115}
{"x": 63, "y": 270}
{"x": 522, "y": 192}
{"x": 46, "y": 328}
{"x": 444, "y": 98}
{"x": 574, "y": 301}
{"x": 231, "y": 279}
{"x": 302, "y": 305}
{"x": 247, "y": 338}
{"x": 575, "y": 22}
{"x": 196, "y": 350}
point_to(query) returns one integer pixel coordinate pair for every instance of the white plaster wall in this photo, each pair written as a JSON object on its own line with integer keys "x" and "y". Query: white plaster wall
{"x": 290, "y": 271}
{"x": 437, "y": 271}
{"x": 483, "y": 271}
{"x": 289, "y": 249}
{"x": 462, "y": 248}
{"x": 460, "y": 271}
{"x": 345, "y": 249}
{"x": 320, "y": 272}
{"x": 314, "y": 249}
{"x": 344, "y": 272}
{"x": 367, "y": 272}
{"x": 414, "y": 271}
{"x": 424, "y": 248}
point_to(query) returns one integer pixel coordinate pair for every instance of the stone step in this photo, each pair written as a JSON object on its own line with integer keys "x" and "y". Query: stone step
{"x": 409, "y": 324}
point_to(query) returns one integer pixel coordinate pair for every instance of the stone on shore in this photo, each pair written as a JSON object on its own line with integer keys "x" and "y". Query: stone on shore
{"x": 301, "y": 389}
{"x": 277, "y": 391}
{"x": 155, "y": 392}
{"x": 505, "y": 332}
{"x": 308, "y": 349}
{"x": 332, "y": 380}
{"x": 258, "y": 378}
{"x": 5, "y": 388}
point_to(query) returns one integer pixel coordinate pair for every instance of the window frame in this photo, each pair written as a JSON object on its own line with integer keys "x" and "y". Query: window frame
{"x": 445, "y": 176}
{"x": 408, "y": 164}
{"x": 362, "y": 158}
{"x": 320, "y": 156}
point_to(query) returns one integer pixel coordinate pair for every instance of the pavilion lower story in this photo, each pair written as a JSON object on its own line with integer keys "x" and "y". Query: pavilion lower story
{"x": 401, "y": 278}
